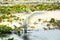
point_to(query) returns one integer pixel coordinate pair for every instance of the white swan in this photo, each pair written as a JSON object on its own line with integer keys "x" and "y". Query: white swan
{"x": 25, "y": 23}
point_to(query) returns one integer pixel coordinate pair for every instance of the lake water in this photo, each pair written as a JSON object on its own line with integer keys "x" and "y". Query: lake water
{"x": 36, "y": 35}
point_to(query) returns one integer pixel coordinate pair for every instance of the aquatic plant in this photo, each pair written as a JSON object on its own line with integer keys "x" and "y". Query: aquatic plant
{"x": 35, "y": 22}
{"x": 10, "y": 38}
{"x": 48, "y": 24}
{"x": 23, "y": 8}
{"x": 16, "y": 18}
{"x": 5, "y": 29}
{"x": 9, "y": 20}
{"x": 5, "y": 10}
{"x": 39, "y": 19}
{"x": 23, "y": 19}
{"x": 19, "y": 8}
{"x": 44, "y": 28}
{"x": 0, "y": 19}
{"x": 32, "y": 26}
{"x": 45, "y": 7}
{"x": 3, "y": 35}
{"x": 44, "y": 21}
{"x": 53, "y": 22}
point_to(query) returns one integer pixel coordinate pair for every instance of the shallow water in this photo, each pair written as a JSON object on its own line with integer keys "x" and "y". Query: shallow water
{"x": 36, "y": 35}
{"x": 45, "y": 35}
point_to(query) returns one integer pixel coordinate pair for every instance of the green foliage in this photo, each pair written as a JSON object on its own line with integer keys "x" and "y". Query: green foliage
{"x": 35, "y": 22}
{"x": 11, "y": 9}
{"x": 5, "y": 9}
{"x": 32, "y": 26}
{"x": 19, "y": 8}
{"x": 8, "y": 17}
{"x": 39, "y": 19}
{"x": 4, "y": 16}
{"x": 32, "y": 9}
{"x": 48, "y": 24}
{"x": 5, "y": 29}
{"x": 52, "y": 20}
{"x": 54, "y": 24}
{"x": 11, "y": 39}
{"x": 0, "y": 19}
{"x": 16, "y": 18}
{"x": 3, "y": 35}
{"x": 44, "y": 28}
{"x": 23, "y": 8}
{"x": 45, "y": 7}
{"x": 9, "y": 20}
{"x": 23, "y": 19}
{"x": 19, "y": 29}
{"x": 44, "y": 21}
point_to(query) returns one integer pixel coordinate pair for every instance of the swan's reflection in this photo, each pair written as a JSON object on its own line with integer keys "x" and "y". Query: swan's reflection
{"x": 26, "y": 37}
